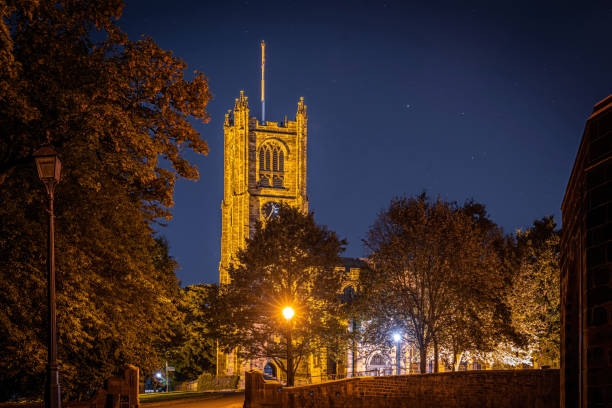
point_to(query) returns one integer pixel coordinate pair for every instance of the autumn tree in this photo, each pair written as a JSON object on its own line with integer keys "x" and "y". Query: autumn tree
{"x": 433, "y": 275}
{"x": 478, "y": 318}
{"x": 534, "y": 298}
{"x": 119, "y": 114}
{"x": 290, "y": 260}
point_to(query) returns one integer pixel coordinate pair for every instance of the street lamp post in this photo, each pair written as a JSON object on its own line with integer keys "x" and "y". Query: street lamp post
{"x": 398, "y": 352}
{"x": 288, "y": 313}
{"x": 49, "y": 169}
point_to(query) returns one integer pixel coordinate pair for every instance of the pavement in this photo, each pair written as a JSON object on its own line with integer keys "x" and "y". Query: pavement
{"x": 221, "y": 400}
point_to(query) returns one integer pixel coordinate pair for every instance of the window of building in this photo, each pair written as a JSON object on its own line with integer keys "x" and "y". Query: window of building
{"x": 271, "y": 165}
{"x": 377, "y": 360}
{"x": 262, "y": 159}
{"x": 270, "y": 370}
{"x": 348, "y": 295}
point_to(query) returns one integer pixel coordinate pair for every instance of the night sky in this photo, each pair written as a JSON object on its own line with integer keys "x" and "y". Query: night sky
{"x": 461, "y": 99}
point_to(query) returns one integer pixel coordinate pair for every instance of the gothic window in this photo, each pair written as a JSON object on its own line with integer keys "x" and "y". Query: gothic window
{"x": 262, "y": 160}
{"x": 348, "y": 294}
{"x": 267, "y": 163}
{"x": 270, "y": 370}
{"x": 377, "y": 360}
{"x": 271, "y": 165}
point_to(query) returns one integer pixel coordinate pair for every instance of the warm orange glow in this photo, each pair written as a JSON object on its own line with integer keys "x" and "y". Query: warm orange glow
{"x": 288, "y": 312}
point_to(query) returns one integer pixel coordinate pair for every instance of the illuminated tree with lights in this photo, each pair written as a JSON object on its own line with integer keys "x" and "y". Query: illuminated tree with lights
{"x": 534, "y": 298}
{"x": 436, "y": 275}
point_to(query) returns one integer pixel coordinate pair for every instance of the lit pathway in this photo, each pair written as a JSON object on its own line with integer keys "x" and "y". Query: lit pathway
{"x": 229, "y": 400}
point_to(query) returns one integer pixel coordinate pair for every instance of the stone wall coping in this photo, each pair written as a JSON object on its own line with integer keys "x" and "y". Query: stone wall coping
{"x": 326, "y": 383}
{"x": 473, "y": 373}
{"x": 490, "y": 388}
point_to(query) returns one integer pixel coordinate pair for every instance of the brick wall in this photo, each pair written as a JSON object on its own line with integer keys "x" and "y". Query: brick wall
{"x": 586, "y": 269}
{"x": 500, "y": 389}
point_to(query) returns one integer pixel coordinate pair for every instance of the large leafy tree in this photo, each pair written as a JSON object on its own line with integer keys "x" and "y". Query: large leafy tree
{"x": 534, "y": 298}
{"x": 195, "y": 345}
{"x": 434, "y": 276}
{"x": 118, "y": 112}
{"x": 290, "y": 260}
{"x": 478, "y": 318}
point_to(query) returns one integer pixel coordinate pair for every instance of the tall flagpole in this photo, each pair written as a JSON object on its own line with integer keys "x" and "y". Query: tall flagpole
{"x": 263, "y": 88}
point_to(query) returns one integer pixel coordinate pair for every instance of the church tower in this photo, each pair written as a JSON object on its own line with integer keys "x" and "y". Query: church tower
{"x": 264, "y": 165}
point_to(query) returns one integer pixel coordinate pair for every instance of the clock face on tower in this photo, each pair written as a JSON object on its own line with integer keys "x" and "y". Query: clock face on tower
{"x": 269, "y": 210}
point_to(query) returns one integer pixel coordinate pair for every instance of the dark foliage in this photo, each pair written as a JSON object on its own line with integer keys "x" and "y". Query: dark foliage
{"x": 112, "y": 108}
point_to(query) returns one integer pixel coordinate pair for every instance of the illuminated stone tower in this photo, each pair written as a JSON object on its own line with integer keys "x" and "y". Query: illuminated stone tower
{"x": 264, "y": 165}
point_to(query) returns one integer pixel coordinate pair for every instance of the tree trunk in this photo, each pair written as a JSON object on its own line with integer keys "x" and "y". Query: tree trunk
{"x": 436, "y": 356}
{"x": 423, "y": 356}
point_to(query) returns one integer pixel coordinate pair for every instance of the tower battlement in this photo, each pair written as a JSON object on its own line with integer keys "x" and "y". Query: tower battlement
{"x": 264, "y": 165}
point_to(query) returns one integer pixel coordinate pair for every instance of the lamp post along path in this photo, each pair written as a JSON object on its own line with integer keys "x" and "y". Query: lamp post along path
{"x": 398, "y": 352}
{"x": 288, "y": 313}
{"x": 49, "y": 168}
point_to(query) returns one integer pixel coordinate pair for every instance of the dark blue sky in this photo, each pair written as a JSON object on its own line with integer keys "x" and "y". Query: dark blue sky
{"x": 462, "y": 99}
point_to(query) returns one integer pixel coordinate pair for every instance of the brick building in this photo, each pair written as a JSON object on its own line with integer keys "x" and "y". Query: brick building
{"x": 586, "y": 268}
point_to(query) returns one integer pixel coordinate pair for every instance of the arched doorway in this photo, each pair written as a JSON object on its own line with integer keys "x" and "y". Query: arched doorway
{"x": 331, "y": 368}
{"x": 270, "y": 370}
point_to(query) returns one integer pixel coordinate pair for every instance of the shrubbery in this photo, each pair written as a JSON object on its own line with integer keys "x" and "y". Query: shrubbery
{"x": 207, "y": 381}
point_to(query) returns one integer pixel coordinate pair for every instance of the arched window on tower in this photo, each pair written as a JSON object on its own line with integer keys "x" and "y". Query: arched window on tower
{"x": 271, "y": 165}
{"x": 262, "y": 160}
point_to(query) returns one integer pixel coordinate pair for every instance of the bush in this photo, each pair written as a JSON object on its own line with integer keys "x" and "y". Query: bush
{"x": 207, "y": 381}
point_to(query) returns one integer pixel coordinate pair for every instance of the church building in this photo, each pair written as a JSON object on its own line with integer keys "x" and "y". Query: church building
{"x": 265, "y": 165}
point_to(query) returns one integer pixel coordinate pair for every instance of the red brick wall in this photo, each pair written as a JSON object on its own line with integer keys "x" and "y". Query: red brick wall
{"x": 499, "y": 389}
{"x": 586, "y": 269}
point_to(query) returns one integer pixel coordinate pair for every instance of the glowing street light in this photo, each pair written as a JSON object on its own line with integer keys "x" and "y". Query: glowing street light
{"x": 397, "y": 337}
{"x": 288, "y": 312}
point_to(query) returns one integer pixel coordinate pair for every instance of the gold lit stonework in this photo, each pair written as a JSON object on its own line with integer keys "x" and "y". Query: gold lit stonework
{"x": 264, "y": 164}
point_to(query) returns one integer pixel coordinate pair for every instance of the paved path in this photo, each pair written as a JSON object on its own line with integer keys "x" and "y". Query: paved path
{"x": 229, "y": 400}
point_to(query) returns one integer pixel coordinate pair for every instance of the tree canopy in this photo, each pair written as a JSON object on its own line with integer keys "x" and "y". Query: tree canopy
{"x": 194, "y": 347}
{"x": 534, "y": 298}
{"x": 118, "y": 112}
{"x": 435, "y": 276}
{"x": 289, "y": 261}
